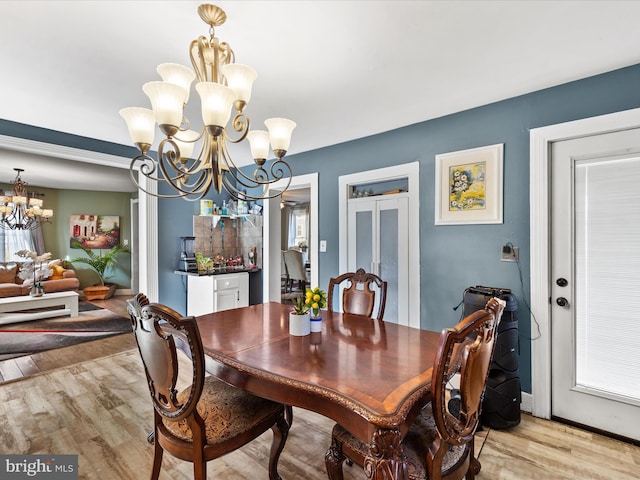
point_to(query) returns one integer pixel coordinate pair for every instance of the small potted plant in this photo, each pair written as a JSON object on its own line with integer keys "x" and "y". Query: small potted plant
{"x": 315, "y": 299}
{"x": 100, "y": 263}
{"x": 299, "y": 323}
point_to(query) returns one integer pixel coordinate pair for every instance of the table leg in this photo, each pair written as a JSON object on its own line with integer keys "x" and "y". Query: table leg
{"x": 72, "y": 305}
{"x": 385, "y": 459}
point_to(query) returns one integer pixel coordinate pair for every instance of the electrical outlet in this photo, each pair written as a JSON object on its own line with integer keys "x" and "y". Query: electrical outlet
{"x": 509, "y": 253}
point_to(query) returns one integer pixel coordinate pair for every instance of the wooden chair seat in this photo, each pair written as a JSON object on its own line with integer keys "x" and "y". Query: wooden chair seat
{"x": 423, "y": 432}
{"x": 228, "y": 413}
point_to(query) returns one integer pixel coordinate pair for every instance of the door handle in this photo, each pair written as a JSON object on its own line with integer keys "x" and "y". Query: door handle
{"x": 563, "y": 302}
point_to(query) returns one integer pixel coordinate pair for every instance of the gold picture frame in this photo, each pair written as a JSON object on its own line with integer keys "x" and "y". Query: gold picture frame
{"x": 469, "y": 186}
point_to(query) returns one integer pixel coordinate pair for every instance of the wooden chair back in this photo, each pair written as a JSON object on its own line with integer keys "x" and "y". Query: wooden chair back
{"x": 207, "y": 418}
{"x": 359, "y": 296}
{"x": 439, "y": 443}
{"x": 157, "y": 347}
{"x": 464, "y": 353}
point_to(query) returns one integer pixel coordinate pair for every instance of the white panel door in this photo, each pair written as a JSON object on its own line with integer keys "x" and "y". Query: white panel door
{"x": 595, "y": 281}
{"x": 378, "y": 242}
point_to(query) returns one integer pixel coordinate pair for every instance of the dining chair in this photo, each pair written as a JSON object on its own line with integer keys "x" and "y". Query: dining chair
{"x": 295, "y": 269}
{"x": 359, "y": 294}
{"x": 208, "y": 418}
{"x": 439, "y": 442}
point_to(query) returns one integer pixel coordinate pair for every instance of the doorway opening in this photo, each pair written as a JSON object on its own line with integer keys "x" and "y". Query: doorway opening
{"x": 273, "y": 234}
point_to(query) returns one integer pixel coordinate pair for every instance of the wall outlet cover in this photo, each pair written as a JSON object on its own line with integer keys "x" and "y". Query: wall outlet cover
{"x": 509, "y": 254}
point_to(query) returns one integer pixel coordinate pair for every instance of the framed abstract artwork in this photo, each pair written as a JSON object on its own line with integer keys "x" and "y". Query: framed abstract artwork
{"x": 469, "y": 186}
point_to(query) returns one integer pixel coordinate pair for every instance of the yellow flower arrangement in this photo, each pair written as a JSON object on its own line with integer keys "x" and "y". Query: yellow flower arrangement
{"x": 315, "y": 299}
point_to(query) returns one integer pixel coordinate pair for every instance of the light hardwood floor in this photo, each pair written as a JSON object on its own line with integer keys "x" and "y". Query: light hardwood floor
{"x": 25, "y": 366}
{"x": 99, "y": 408}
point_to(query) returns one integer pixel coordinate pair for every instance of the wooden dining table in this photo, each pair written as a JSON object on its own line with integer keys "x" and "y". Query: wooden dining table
{"x": 371, "y": 377}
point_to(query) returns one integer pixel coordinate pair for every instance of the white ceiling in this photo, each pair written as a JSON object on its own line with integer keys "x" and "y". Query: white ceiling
{"x": 341, "y": 69}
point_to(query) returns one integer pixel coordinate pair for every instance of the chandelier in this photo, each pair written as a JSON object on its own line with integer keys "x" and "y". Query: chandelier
{"x": 22, "y": 210}
{"x": 222, "y": 85}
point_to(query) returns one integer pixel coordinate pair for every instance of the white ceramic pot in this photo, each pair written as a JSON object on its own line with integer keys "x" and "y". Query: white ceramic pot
{"x": 316, "y": 323}
{"x": 299, "y": 325}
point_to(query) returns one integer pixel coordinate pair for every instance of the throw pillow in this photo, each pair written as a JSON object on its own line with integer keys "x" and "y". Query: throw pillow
{"x": 58, "y": 270}
{"x": 57, "y": 261}
{"x": 8, "y": 273}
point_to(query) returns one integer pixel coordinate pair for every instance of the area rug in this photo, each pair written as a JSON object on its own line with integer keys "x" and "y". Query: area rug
{"x": 27, "y": 338}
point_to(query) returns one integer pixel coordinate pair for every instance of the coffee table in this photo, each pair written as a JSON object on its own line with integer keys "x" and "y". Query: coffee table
{"x": 12, "y": 308}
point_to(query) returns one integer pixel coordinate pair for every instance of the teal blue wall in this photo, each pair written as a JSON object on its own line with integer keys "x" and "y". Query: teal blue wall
{"x": 451, "y": 257}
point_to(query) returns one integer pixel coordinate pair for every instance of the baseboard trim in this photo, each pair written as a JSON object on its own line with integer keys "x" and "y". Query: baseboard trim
{"x": 526, "y": 402}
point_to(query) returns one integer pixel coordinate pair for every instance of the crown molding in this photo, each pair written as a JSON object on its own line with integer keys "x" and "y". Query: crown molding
{"x": 61, "y": 151}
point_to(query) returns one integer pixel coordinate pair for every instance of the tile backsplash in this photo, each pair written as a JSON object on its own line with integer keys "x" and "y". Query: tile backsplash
{"x": 230, "y": 237}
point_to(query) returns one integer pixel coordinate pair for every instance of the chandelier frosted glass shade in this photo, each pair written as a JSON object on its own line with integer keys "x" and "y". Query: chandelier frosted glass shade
{"x": 240, "y": 79}
{"x": 217, "y": 101}
{"x": 178, "y": 75}
{"x": 224, "y": 89}
{"x": 280, "y": 130}
{"x": 166, "y": 102}
{"x": 141, "y": 123}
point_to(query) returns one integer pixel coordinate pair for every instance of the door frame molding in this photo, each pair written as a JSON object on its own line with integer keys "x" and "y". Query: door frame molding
{"x": 412, "y": 172}
{"x": 539, "y": 194}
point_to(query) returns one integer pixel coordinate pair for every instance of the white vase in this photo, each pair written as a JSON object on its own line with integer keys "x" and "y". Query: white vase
{"x": 299, "y": 325}
{"x": 316, "y": 323}
{"x": 36, "y": 291}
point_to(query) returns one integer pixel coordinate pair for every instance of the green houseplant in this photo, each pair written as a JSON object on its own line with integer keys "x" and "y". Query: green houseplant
{"x": 100, "y": 263}
{"x": 299, "y": 323}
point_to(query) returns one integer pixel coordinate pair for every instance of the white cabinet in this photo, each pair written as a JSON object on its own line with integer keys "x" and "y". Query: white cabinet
{"x": 214, "y": 293}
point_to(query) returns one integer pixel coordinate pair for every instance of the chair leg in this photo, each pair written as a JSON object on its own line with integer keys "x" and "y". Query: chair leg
{"x": 200, "y": 470}
{"x": 157, "y": 460}
{"x": 474, "y": 463}
{"x": 333, "y": 461}
{"x": 288, "y": 414}
{"x": 280, "y": 434}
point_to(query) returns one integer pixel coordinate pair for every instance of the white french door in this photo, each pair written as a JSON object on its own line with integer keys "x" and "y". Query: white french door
{"x": 595, "y": 281}
{"x": 378, "y": 242}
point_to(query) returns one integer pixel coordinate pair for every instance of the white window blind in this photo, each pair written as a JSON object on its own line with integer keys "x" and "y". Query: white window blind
{"x": 607, "y": 248}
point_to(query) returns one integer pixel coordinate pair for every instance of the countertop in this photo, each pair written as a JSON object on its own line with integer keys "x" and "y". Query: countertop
{"x": 218, "y": 271}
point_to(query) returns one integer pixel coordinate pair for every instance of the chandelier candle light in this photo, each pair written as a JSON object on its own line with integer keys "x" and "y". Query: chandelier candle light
{"x": 22, "y": 211}
{"x": 222, "y": 85}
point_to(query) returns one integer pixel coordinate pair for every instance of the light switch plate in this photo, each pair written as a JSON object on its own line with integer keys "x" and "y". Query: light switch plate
{"x": 323, "y": 245}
